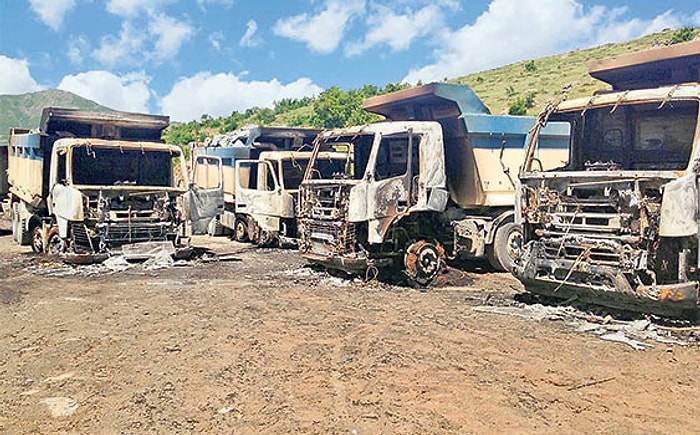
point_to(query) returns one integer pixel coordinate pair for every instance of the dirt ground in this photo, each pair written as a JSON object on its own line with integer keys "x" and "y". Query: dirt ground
{"x": 262, "y": 344}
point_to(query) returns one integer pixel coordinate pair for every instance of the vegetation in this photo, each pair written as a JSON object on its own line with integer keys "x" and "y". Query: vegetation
{"x": 684, "y": 34}
{"x": 25, "y": 110}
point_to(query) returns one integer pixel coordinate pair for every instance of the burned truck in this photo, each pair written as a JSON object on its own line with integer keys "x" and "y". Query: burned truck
{"x": 87, "y": 184}
{"x": 617, "y": 225}
{"x": 431, "y": 184}
{"x": 248, "y": 143}
{"x": 267, "y": 191}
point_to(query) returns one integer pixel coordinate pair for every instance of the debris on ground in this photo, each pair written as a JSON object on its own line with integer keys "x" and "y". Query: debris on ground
{"x": 634, "y": 333}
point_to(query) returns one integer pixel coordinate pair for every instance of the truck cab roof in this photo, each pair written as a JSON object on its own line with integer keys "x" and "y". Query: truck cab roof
{"x": 659, "y": 66}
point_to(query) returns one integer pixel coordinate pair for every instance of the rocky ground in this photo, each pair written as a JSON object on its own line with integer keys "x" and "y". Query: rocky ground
{"x": 254, "y": 341}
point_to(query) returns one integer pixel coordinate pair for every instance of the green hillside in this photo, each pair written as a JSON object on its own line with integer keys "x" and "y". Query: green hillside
{"x": 558, "y": 77}
{"x": 25, "y": 110}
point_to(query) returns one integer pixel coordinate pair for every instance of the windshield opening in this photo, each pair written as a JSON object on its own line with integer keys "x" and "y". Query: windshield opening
{"x": 293, "y": 170}
{"x": 357, "y": 147}
{"x": 97, "y": 166}
{"x": 631, "y": 136}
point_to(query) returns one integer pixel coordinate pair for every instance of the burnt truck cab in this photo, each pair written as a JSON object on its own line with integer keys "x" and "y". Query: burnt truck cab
{"x": 432, "y": 184}
{"x": 107, "y": 195}
{"x": 345, "y": 215}
{"x": 267, "y": 190}
{"x": 617, "y": 225}
{"x": 87, "y": 184}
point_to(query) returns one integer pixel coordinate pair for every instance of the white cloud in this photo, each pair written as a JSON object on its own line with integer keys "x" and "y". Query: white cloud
{"x": 162, "y": 40}
{"x": 170, "y": 35}
{"x": 52, "y": 12}
{"x": 322, "y": 32}
{"x": 249, "y": 39}
{"x": 77, "y": 47}
{"x": 15, "y": 77}
{"x": 512, "y": 30}
{"x": 226, "y": 3}
{"x": 398, "y": 31}
{"x": 129, "y": 92}
{"x": 124, "y": 49}
{"x": 215, "y": 39}
{"x": 130, "y": 8}
{"x": 221, "y": 94}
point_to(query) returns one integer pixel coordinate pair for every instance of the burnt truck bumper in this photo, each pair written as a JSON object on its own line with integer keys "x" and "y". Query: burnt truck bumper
{"x": 355, "y": 264}
{"x": 605, "y": 285}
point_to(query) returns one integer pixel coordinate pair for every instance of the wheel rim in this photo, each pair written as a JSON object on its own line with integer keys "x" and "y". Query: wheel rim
{"x": 241, "y": 231}
{"x": 423, "y": 261}
{"x": 514, "y": 244}
{"x": 37, "y": 240}
{"x": 55, "y": 244}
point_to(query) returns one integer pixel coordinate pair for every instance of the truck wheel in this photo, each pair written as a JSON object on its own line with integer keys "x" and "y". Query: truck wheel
{"x": 19, "y": 234}
{"x": 54, "y": 243}
{"x": 38, "y": 239}
{"x": 15, "y": 222}
{"x": 506, "y": 247}
{"x": 423, "y": 261}
{"x": 215, "y": 229}
{"x": 240, "y": 232}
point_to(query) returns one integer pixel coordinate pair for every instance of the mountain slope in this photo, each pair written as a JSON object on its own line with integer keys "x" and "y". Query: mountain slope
{"x": 25, "y": 110}
{"x": 550, "y": 78}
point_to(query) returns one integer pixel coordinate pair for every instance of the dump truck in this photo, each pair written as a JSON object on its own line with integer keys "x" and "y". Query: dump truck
{"x": 432, "y": 183}
{"x": 88, "y": 184}
{"x": 246, "y": 143}
{"x": 267, "y": 191}
{"x": 617, "y": 224}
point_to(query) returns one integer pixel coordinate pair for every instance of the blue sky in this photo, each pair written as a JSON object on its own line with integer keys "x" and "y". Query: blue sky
{"x": 186, "y": 58}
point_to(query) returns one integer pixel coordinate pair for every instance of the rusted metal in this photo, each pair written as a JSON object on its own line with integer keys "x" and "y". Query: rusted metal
{"x": 618, "y": 224}
{"x": 434, "y": 171}
{"x": 90, "y": 183}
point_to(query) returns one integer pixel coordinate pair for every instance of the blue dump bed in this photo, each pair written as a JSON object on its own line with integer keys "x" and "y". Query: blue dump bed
{"x": 477, "y": 144}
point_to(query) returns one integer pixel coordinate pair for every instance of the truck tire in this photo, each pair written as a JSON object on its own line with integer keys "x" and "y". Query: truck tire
{"x": 54, "y": 243}
{"x": 240, "y": 231}
{"x": 19, "y": 234}
{"x": 506, "y": 247}
{"x": 422, "y": 262}
{"x": 215, "y": 229}
{"x": 38, "y": 239}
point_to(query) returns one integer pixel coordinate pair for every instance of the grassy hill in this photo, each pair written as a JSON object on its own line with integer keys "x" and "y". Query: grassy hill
{"x": 550, "y": 78}
{"x": 25, "y": 110}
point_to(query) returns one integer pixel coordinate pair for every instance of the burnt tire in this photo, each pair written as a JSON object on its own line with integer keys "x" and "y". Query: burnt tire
{"x": 240, "y": 231}
{"x": 38, "y": 239}
{"x": 215, "y": 228}
{"x": 422, "y": 262}
{"x": 54, "y": 243}
{"x": 19, "y": 234}
{"x": 506, "y": 248}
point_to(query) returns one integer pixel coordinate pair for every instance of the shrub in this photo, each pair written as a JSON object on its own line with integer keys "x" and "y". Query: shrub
{"x": 530, "y": 66}
{"x": 684, "y": 34}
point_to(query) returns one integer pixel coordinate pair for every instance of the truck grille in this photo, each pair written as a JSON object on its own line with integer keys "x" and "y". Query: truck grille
{"x": 121, "y": 233}
{"x": 327, "y": 237}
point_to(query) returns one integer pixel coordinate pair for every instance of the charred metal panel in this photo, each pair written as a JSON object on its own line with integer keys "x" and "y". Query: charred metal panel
{"x": 618, "y": 224}
{"x": 679, "y": 213}
{"x": 660, "y": 66}
{"x": 58, "y": 121}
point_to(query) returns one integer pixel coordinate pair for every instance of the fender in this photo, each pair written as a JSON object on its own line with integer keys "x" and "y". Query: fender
{"x": 502, "y": 218}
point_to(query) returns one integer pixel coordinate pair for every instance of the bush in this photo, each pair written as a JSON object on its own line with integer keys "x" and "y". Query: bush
{"x": 684, "y": 34}
{"x": 521, "y": 104}
{"x": 530, "y": 66}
